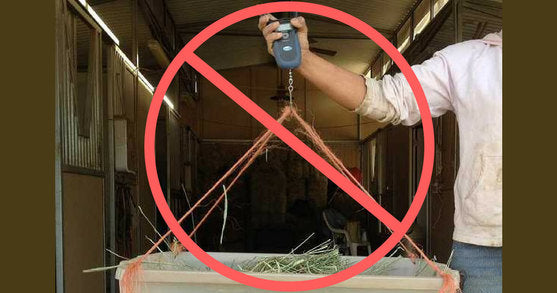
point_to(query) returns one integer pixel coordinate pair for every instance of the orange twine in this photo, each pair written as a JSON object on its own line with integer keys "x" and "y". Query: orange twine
{"x": 130, "y": 279}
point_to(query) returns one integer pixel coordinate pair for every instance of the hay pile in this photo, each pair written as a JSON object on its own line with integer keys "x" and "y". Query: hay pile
{"x": 322, "y": 259}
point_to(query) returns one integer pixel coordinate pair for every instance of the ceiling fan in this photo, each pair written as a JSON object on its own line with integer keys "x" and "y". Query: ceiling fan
{"x": 320, "y": 50}
{"x": 311, "y": 40}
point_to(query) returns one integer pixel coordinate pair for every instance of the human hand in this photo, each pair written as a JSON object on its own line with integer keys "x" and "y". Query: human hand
{"x": 271, "y": 35}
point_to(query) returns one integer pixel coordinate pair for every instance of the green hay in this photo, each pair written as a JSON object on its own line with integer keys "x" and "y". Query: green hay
{"x": 322, "y": 259}
{"x": 383, "y": 266}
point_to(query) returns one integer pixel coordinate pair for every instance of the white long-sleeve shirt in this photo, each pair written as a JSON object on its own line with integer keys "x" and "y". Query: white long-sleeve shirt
{"x": 464, "y": 78}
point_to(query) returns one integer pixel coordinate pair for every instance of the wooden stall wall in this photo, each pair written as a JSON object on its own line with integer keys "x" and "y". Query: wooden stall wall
{"x": 82, "y": 155}
{"x": 83, "y": 232}
{"x": 102, "y": 110}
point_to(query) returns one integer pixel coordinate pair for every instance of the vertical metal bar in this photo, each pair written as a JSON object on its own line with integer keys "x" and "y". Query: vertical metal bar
{"x": 75, "y": 113}
{"x": 137, "y": 131}
{"x": 457, "y": 15}
{"x": 110, "y": 202}
{"x": 359, "y": 127}
{"x": 380, "y": 162}
{"x": 306, "y": 99}
{"x": 100, "y": 114}
{"x": 359, "y": 136}
{"x": 64, "y": 77}
{"x": 75, "y": 116}
{"x": 60, "y": 91}
{"x": 71, "y": 98}
{"x": 87, "y": 141}
{"x": 61, "y": 36}
{"x": 100, "y": 119}
{"x": 97, "y": 147}
{"x": 411, "y": 164}
{"x": 252, "y": 133}
{"x": 427, "y": 203}
{"x": 457, "y": 10}
{"x": 92, "y": 141}
{"x": 135, "y": 53}
{"x": 168, "y": 150}
{"x": 190, "y": 153}
{"x": 69, "y": 94}
{"x": 412, "y": 20}
{"x": 364, "y": 161}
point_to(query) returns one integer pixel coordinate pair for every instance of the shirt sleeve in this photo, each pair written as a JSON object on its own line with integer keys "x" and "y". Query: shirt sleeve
{"x": 391, "y": 99}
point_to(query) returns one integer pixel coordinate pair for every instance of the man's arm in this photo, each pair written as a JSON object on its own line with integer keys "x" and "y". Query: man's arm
{"x": 389, "y": 100}
{"x": 344, "y": 87}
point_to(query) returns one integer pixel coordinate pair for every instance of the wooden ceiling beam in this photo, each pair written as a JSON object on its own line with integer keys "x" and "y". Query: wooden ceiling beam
{"x": 244, "y": 33}
{"x": 193, "y": 26}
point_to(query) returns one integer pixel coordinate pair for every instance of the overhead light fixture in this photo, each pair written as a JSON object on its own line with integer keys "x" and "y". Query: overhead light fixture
{"x": 98, "y": 19}
{"x": 158, "y": 52}
{"x": 151, "y": 88}
{"x": 127, "y": 60}
{"x": 142, "y": 78}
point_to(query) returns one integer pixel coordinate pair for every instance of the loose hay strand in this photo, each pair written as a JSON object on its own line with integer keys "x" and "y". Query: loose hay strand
{"x": 224, "y": 214}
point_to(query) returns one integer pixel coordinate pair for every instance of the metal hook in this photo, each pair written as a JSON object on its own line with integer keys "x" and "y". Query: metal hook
{"x": 290, "y": 86}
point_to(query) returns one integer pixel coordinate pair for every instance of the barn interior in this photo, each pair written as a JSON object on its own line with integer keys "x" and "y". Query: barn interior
{"x": 111, "y": 55}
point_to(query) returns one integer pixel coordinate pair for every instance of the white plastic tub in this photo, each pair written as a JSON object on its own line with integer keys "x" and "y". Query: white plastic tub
{"x": 403, "y": 276}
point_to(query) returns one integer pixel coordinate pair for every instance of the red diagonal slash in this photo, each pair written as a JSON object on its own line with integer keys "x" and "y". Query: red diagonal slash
{"x": 290, "y": 139}
{"x": 187, "y": 55}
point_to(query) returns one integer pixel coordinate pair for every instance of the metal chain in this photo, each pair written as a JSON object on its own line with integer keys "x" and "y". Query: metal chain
{"x": 290, "y": 86}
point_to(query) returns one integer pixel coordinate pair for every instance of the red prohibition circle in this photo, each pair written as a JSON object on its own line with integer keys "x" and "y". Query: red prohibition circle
{"x": 187, "y": 55}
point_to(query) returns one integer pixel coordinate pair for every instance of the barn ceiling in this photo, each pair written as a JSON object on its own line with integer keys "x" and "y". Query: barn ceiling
{"x": 241, "y": 44}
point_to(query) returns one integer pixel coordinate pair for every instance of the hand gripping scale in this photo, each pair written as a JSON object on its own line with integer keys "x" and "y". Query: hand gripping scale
{"x": 287, "y": 49}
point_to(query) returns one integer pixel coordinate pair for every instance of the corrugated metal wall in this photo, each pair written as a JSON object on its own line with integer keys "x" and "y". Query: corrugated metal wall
{"x": 79, "y": 149}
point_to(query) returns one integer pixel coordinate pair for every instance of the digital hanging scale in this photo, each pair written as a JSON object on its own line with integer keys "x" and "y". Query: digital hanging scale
{"x": 287, "y": 49}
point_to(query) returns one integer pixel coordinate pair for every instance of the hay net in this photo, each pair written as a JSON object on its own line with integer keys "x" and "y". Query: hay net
{"x": 130, "y": 281}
